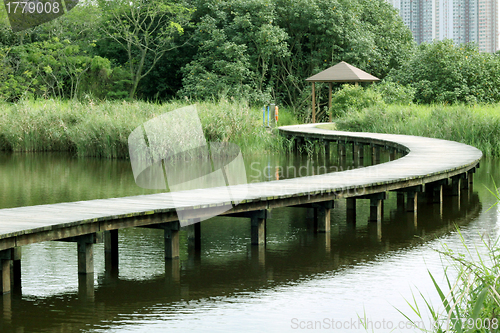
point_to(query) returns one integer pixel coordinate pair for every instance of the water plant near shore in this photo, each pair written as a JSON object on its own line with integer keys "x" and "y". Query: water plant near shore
{"x": 102, "y": 129}
{"x": 472, "y": 303}
{"x": 478, "y": 125}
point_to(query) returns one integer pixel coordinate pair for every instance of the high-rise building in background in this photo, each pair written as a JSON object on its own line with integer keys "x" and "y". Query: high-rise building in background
{"x": 462, "y": 21}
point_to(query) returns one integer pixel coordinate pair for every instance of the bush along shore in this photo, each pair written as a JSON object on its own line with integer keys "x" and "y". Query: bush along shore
{"x": 102, "y": 129}
{"x": 478, "y": 125}
{"x": 388, "y": 108}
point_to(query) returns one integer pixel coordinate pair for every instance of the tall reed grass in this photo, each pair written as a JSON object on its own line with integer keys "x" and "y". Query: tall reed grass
{"x": 478, "y": 125}
{"x": 102, "y": 129}
{"x": 472, "y": 303}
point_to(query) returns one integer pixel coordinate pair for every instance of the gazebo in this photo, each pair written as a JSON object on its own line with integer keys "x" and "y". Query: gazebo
{"x": 341, "y": 72}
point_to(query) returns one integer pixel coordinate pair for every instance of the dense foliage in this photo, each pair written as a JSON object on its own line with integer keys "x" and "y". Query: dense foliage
{"x": 102, "y": 129}
{"x": 260, "y": 50}
{"x": 444, "y": 73}
{"x": 478, "y": 126}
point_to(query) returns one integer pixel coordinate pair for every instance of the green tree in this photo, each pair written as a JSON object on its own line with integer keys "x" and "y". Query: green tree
{"x": 443, "y": 72}
{"x": 237, "y": 44}
{"x": 264, "y": 50}
{"x": 145, "y": 28}
{"x": 368, "y": 34}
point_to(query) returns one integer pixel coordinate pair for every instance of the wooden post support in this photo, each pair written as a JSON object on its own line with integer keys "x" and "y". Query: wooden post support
{"x": 358, "y": 154}
{"x": 258, "y": 227}
{"x": 16, "y": 267}
{"x": 258, "y": 256}
{"x": 313, "y": 103}
{"x": 111, "y": 250}
{"x": 341, "y": 149}
{"x": 438, "y": 194}
{"x": 375, "y": 154}
{"x": 85, "y": 246}
{"x": 470, "y": 178}
{"x": 173, "y": 270}
{"x": 400, "y": 200}
{"x": 392, "y": 154}
{"x": 376, "y": 209}
{"x": 171, "y": 234}
{"x": 411, "y": 201}
{"x": 327, "y": 150}
{"x": 351, "y": 210}
{"x": 298, "y": 143}
{"x": 455, "y": 185}
{"x": 6, "y": 306}
{"x": 6, "y": 263}
{"x": 194, "y": 236}
{"x": 429, "y": 193}
{"x": 86, "y": 287}
{"x": 361, "y": 152}
{"x": 323, "y": 211}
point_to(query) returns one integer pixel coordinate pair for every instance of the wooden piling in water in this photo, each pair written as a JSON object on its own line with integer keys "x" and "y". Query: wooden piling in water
{"x": 194, "y": 236}
{"x": 392, "y": 154}
{"x": 85, "y": 245}
{"x": 327, "y": 150}
{"x": 375, "y": 154}
{"x": 400, "y": 200}
{"x": 341, "y": 149}
{"x": 376, "y": 209}
{"x": 412, "y": 201}
{"x": 16, "y": 268}
{"x": 357, "y": 154}
{"x": 6, "y": 263}
{"x": 351, "y": 210}
{"x": 456, "y": 186}
{"x": 258, "y": 228}
{"x": 111, "y": 255}
{"x": 322, "y": 214}
{"x": 171, "y": 235}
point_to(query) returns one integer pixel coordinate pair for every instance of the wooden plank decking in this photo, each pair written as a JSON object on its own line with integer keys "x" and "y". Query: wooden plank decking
{"x": 427, "y": 160}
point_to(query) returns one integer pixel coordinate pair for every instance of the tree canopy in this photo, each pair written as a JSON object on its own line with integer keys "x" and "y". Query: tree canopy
{"x": 260, "y": 50}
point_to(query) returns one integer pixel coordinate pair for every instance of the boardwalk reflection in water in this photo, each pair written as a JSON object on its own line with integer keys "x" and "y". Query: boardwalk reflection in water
{"x": 148, "y": 295}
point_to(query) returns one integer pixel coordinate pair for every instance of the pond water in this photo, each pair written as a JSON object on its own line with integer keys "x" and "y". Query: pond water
{"x": 299, "y": 281}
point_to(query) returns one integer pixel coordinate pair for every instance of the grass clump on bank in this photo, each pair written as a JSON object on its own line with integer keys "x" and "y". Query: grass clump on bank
{"x": 478, "y": 126}
{"x": 472, "y": 303}
{"x": 102, "y": 129}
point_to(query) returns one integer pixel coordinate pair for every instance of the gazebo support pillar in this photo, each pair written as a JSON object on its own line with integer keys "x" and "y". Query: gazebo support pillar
{"x": 313, "y": 103}
{"x": 330, "y": 100}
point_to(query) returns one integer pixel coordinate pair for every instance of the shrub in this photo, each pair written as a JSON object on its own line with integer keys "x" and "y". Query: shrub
{"x": 395, "y": 93}
{"x": 354, "y": 98}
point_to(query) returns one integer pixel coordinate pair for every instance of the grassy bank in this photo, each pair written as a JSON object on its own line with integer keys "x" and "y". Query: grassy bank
{"x": 102, "y": 129}
{"x": 478, "y": 126}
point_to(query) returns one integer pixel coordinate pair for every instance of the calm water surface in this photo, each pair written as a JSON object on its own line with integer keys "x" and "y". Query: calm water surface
{"x": 300, "y": 280}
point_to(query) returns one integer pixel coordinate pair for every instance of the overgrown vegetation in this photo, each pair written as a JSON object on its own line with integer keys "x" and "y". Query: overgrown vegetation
{"x": 260, "y": 50}
{"x": 102, "y": 129}
{"x": 478, "y": 125}
{"x": 472, "y": 303}
{"x": 444, "y": 73}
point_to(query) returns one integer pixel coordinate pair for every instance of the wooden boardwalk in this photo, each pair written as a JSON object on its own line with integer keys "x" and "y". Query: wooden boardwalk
{"x": 428, "y": 164}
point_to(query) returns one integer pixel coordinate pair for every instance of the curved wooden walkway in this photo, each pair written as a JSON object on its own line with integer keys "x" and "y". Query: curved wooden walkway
{"x": 428, "y": 162}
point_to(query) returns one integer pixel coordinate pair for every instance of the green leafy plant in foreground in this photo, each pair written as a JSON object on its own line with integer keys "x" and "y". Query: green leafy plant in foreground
{"x": 472, "y": 303}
